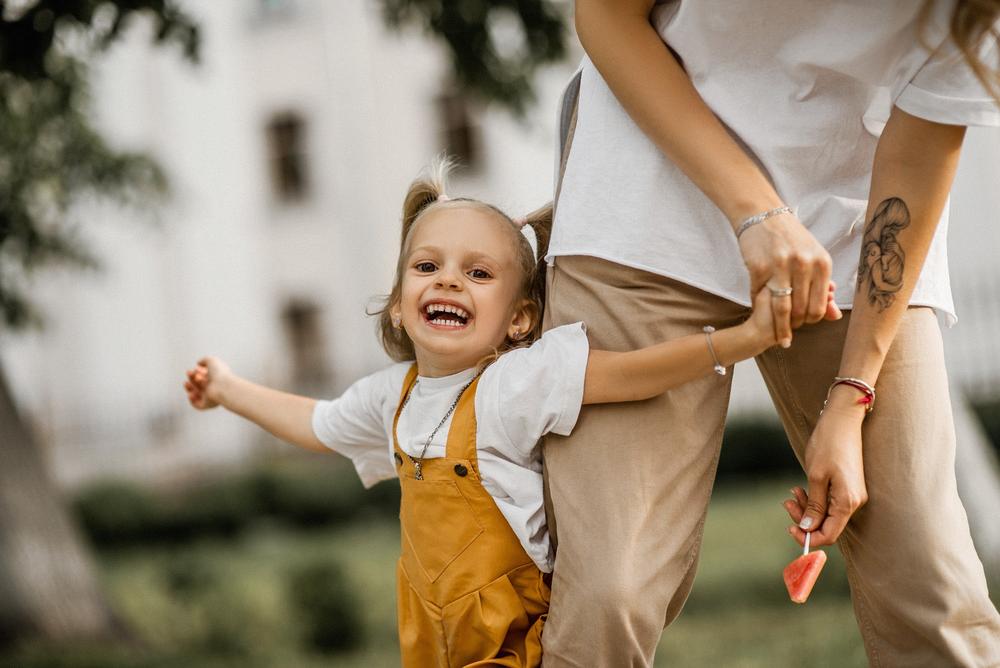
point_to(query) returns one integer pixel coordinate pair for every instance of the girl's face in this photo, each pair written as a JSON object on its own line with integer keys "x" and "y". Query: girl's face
{"x": 460, "y": 286}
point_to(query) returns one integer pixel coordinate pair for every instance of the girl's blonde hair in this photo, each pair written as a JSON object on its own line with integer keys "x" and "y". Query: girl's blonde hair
{"x": 428, "y": 192}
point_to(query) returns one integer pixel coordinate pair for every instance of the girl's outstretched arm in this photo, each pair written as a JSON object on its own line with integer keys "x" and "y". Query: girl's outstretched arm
{"x": 287, "y": 416}
{"x": 647, "y": 372}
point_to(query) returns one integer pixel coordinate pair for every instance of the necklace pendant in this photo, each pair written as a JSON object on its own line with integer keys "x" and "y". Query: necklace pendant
{"x": 416, "y": 470}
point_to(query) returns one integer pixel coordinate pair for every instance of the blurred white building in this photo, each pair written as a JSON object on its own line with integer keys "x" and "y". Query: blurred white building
{"x": 289, "y": 149}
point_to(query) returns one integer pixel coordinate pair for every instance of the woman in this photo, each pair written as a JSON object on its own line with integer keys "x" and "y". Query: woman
{"x": 678, "y": 168}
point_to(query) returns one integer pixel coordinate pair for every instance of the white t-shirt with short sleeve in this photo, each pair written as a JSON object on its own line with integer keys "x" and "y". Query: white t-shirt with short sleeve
{"x": 525, "y": 394}
{"x": 806, "y": 87}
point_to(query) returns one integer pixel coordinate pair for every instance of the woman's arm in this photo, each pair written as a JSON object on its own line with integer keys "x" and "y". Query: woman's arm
{"x": 656, "y": 92}
{"x": 287, "y": 416}
{"x": 647, "y": 372}
{"x": 914, "y": 167}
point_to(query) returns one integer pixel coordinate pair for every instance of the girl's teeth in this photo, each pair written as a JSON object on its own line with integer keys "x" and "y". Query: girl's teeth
{"x": 431, "y": 308}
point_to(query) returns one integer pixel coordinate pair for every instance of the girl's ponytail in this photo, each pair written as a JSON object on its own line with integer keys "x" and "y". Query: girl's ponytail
{"x": 424, "y": 191}
{"x": 540, "y": 221}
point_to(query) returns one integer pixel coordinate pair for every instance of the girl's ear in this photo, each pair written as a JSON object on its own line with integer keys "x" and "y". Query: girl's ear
{"x": 523, "y": 321}
{"x": 396, "y": 315}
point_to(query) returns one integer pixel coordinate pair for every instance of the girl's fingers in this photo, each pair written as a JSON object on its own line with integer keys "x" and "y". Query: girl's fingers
{"x": 800, "y": 496}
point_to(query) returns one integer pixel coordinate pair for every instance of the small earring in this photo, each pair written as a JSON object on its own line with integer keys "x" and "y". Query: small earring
{"x": 395, "y": 321}
{"x": 517, "y": 333}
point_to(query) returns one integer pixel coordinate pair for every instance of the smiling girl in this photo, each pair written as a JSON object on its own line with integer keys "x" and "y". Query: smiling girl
{"x": 458, "y": 418}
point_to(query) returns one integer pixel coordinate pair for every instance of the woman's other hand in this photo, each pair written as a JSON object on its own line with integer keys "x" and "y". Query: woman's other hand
{"x": 835, "y": 470}
{"x": 205, "y": 382}
{"x": 781, "y": 253}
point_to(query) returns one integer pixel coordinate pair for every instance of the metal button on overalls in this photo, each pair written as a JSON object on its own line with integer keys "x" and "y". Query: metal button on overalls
{"x": 467, "y": 592}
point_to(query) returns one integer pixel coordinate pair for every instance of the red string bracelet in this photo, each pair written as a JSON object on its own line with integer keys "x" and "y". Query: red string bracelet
{"x": 868, "y": 400}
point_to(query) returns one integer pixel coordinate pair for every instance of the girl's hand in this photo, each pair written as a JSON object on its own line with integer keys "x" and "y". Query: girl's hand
{"x": 762, "y": 319}
{"x": 835, "y": 471}
{"x": 205, "y": 382}
{"x": 761, "y": 322}
{"x": 781, "y": 252}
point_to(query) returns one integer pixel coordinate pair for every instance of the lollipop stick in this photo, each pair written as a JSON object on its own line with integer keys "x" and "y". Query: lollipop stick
{"x": 805, "y": 548}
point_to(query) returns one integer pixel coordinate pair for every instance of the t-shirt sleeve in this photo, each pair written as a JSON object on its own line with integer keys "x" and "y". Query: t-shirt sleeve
{"x": 946, "y": 90}
{"x": 354, "y": 424}
{"x": 538, "y": 390}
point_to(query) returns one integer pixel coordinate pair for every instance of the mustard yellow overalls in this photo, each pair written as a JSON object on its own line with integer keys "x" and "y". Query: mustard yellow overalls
{"x": 467, "y": 592}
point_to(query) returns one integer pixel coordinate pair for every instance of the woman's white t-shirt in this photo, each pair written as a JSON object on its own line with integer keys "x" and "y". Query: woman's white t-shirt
{"x": 806, "y": 87}
{"x": 525, "y": 394}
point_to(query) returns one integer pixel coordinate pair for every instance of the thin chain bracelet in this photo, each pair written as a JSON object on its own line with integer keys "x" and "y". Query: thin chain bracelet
{"x": 760, "y": 218}
{"x": 719, "y": 369}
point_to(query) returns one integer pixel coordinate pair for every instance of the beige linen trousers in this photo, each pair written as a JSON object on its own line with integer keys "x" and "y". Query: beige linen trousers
{"x": 627, "y": 491}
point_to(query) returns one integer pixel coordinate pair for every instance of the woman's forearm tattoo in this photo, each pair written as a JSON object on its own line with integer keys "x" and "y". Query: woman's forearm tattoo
{"x": 880, "y": 271}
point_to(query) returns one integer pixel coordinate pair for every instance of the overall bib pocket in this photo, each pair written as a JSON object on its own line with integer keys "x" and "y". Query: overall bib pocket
{"x": 438, "y": 523}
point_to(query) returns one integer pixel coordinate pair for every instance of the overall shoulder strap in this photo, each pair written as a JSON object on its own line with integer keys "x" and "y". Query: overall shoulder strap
{"x": 462, "y": 434}
{"x": 408, "y": 383}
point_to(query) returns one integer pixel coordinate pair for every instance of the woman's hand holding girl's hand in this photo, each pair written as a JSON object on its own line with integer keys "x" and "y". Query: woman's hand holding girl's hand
{"x": 781, "y": 252}
{"x": 762, "y": 317}
{"x": 205, "y": 382}
{"x": 835, "y": 470}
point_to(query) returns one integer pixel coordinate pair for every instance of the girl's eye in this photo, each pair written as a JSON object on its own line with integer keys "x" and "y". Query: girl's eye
{"x": 424, "y": 267}
{"x": 479, "y": 273}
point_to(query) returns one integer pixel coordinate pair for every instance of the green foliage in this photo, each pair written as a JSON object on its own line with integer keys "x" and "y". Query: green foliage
{"x": 988, "y": 411}
{"x": 327, "y": 607}
{"x": 117, "y": 514}
{"x": 756, "y": 446}
{"x": 50, "y": 155}
{"x": 29, "y": 35}
{"x": 496, "y": 46}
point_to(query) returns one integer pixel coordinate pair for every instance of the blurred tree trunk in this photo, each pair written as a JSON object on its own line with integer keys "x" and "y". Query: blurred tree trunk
{"x": 48, "y": 583}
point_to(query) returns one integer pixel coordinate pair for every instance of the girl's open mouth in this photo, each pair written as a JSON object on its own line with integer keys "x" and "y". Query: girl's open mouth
{"x": 446, "y": 315}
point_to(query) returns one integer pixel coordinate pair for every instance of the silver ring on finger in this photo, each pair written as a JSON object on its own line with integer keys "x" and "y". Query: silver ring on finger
{"x": 781, "y": 292}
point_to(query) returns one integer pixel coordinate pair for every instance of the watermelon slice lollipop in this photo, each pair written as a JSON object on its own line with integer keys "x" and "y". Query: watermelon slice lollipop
{"x": 801, "y": 574}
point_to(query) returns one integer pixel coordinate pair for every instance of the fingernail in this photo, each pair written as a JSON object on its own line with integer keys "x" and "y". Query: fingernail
{"x": 786, "y": 343}
{"x": 806, "y": 523}
{"x": 792, "y": 490}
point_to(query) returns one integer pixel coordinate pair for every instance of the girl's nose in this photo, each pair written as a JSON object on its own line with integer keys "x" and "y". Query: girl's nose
{"x": 448, "y": 279}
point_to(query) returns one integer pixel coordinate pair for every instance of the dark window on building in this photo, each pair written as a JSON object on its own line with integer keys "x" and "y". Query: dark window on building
{"x": 286, "y": 150}
{"x": 460, "y": 137}
{"x": 304, "y": 334}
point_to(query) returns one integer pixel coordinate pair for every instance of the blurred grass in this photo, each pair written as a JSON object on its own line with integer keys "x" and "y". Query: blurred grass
{"x": 738, "y": 614}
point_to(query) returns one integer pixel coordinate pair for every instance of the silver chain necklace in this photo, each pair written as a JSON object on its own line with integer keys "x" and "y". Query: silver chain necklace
{"x": 418, "y": 461}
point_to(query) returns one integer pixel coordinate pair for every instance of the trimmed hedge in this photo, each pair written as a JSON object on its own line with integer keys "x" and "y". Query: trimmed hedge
{"x": 756, "y": 447}
{"x": 989, "y": 414}
{"x": 116, "y": 513}
{"x": 307, "y": 493}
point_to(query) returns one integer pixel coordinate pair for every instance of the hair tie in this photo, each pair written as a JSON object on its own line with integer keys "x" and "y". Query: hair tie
{"x": 443, "y": 198}
{"x": 529, "y": 233}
